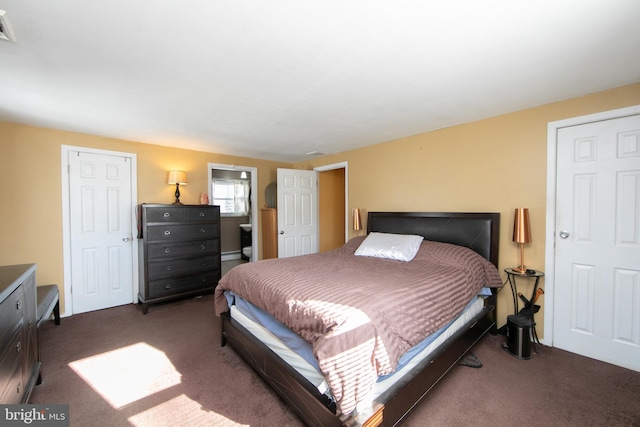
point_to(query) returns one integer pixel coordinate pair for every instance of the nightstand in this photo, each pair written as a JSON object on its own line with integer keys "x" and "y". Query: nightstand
{"x": 512, "y": 275}
{"x": 522, "y": 320}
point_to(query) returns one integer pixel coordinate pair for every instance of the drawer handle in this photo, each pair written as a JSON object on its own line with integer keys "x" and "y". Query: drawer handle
{"x": 167, "y": 232}
{"x": 168, "y": 268}
{"x": 202, "y": 230}
{"x": 19, "y": 346}
{"x": 167, "y": 250}
{"x": 203, "y": 280}
{"x": 167, "y": 286}
{"x": 19, "y": 305}
{"x": 166, "y": 215}
{"x": 203, "y": 247}
{"x": 201, "y": 213}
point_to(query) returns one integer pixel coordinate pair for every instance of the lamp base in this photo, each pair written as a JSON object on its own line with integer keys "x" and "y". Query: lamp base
{"x": 520, "y": 269}
{"x": 177, "y": 194}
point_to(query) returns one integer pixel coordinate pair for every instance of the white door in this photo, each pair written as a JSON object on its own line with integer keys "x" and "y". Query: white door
{"x": 100, "y": 231}
{"x": 297, "y": 212}
{"x": 597, "y": 238}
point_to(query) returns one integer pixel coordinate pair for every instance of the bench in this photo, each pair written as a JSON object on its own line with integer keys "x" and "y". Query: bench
{"x": 48, "y": 302}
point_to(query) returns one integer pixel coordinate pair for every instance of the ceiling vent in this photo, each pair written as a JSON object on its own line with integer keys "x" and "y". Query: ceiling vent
{"x": 6, "y": 32}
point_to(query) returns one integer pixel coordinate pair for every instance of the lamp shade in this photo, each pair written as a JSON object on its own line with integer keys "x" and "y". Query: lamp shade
{"x": 521, "y": 226}
{"x": 177, "y": 177}
{"x": 357, "y": 220}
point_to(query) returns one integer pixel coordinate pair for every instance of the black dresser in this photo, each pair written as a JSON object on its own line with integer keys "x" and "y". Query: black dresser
{"x": 19, "y": 362}
{"x": 179, "y": 251}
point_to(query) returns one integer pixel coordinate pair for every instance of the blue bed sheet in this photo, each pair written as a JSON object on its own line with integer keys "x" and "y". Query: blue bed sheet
{"x": 303, "y": 348}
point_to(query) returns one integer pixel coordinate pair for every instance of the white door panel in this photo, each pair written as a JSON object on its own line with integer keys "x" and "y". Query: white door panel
{"x": 297, "y": 212}
{"x": 100, "y": 229}
{"x": 597, "y": 274}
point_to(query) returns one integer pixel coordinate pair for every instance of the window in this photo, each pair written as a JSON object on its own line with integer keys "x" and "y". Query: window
{"x": 232, "y": 195}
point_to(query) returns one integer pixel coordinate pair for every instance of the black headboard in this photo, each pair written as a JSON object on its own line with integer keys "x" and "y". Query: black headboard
{"x": 478, "y": 231}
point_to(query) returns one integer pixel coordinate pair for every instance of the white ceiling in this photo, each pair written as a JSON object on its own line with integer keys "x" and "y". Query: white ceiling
{"x": 277, "y": 79}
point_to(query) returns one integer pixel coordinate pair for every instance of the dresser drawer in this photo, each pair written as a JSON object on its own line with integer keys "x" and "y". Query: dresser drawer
{"x": 182, "y": 267}
{"x": 165, "y": 214}
{"x": 11, "y": 370}
{"x": 201, "y": 214}
{"x": 11, "y": 314}
{"x": 162, "y": 251}
{"x": 181, "y": 232}
{"x": 182, "y": 214}
{"x": 14, "y": 391}
{"x": 168, "y": 287}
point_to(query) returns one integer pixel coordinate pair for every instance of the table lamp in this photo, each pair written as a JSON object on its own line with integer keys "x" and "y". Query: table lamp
{"x": 177, "y": 178}
{"x": 521, "y": 235}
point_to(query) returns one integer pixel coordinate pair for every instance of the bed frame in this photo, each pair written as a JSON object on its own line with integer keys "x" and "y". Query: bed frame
{"x": 478, "y": 231}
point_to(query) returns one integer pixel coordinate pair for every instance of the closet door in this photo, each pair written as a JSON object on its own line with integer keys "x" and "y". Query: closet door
{"x": 100, "y": 195}
{"x": 597, "y": 258}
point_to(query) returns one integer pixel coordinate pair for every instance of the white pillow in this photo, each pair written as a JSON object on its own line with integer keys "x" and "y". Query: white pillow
{"x": 400, "y": 247}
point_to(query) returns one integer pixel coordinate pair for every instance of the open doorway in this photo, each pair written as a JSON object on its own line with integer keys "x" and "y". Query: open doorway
{"x": 324, "y": 226}
{"x": 333, "y": 200}
{"x": 233, "y": 188}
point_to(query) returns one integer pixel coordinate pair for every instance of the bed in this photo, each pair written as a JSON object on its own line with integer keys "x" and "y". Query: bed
{"x": 476, "y": 231}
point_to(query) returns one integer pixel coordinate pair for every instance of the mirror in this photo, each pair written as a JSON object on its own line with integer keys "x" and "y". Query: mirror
{"x": 271, "y": 195}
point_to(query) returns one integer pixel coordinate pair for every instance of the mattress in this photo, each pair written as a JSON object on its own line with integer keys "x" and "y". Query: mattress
{"x": 299, "y": 360}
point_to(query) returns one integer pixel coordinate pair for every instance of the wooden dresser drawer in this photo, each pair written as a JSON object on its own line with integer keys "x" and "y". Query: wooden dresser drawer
{"x": 169, "y": 287}
{"x": 164, "y": 251}
{"x": 11, "y": 369}
{"x": 181, "y": 232}
{"x": 195, "y": 214}
{"x": 181, "y": 267}
{"x": 14, "y": 391}
{"x": 181, "y": 214}
{"x": 11, "y": 313}
{"x": 165, "y": 214}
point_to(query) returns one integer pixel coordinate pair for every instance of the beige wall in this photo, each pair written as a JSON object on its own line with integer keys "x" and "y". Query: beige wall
{"x": 31, "y": 207}
{"x": 492, "y": 165}
{"x": 496, "y": 165}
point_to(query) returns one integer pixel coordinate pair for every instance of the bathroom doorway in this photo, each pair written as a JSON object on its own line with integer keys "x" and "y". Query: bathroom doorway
{"x": 233, "y": 189}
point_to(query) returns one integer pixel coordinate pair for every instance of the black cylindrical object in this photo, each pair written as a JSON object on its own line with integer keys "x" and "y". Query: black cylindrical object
{"x": 519, "y": 336}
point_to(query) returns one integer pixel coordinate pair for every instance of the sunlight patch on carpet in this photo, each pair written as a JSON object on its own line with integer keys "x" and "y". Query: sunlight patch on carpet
{"x": 127, "y": 374}
{"x": 181, "y": 411}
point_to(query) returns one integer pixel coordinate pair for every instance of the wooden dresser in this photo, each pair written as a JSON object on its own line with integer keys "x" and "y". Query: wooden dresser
{"x": 269, "y": 233}
{"x": 19, "y": 364}
{"x": 179, "y": 251}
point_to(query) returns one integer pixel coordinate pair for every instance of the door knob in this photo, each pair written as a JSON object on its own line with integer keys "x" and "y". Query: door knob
{"x": 125, "y": 239}
{"x": 564, "y": 234}
{"x": 281, "y": 231}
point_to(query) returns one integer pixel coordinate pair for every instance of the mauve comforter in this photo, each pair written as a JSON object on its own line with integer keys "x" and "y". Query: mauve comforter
{"x": 360, "y": 313}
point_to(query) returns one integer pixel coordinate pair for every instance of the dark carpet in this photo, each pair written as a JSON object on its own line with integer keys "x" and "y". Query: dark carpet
{"x": 117, "y": 367}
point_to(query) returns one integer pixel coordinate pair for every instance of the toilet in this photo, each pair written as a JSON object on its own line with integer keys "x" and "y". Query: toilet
{"x": 246, "y": 251}
{"x": 245, "y": 239}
